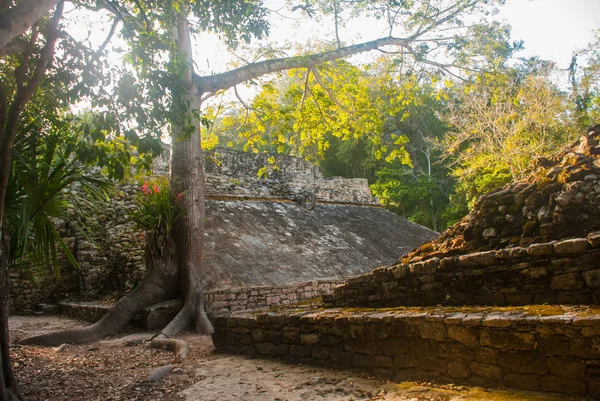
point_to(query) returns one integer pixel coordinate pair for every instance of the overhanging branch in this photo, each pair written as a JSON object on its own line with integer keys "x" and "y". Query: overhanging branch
{"x": 229, "y": 79}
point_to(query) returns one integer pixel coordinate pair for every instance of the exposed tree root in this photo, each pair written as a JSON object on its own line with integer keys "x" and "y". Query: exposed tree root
{"x": 174, "y": 345}
{"x": 151, "y": 290}
{"x": 159, "y": 373}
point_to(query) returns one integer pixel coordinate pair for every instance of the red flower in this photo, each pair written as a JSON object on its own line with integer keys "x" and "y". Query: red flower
{"x": 179, "y": 196}
{"x": 145, "y": 188}
{"x": 142, "y": 235}
{"x": 155, "y": 189}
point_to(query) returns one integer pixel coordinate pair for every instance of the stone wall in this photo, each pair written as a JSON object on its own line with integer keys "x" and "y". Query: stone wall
{"x": 559, "y": 272}
{"x": 260, "y": 297}
{"x": 235, "y": 173}
{"x": 217, "y": 302}
{"x": 558, "y": 353}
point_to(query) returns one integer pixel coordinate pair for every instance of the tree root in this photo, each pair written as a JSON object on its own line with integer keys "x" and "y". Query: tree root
{"x": 159, "y": 373}
{"x": 149, "y": 292}
{"x": 174, "y": 345}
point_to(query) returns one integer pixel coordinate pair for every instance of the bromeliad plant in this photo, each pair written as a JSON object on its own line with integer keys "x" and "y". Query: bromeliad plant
{"x": 157, "y": 211}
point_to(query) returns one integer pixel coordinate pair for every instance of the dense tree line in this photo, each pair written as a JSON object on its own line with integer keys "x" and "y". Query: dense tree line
{"x": 429, "y": 142}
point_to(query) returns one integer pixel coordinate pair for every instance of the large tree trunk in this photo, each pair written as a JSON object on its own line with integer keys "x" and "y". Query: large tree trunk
{"x": 187, "y": 178}
{"x": 16, "y": 20}
{"x": 9, "y": 389}
{"x": 10, "y": 115}
{"x": 179, "y": 270}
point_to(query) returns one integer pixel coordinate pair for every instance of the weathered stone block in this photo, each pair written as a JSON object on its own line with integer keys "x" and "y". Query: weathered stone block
{"x": 291, "y": 337}
{"x": 404, "y": 361}
{"x": 299, "y": 351}
{"x": 594, "y": 239}
{"x": 465, "y": 335}
{"x": 566, "y": 282}
{"x": 562, "y": 385}
{"x": 521, "y": 381}
{"x": 540, "y": 249}
{"x": 523, "y": 362}
{"x": 258, "y": 335}
{"x": 594, "y": 386}
{"x": 572, "y": 368}
{"x": 425, "y": 267}
{"x": 272, "y": 349}
{"x": 487, "y": 355}
{"x": 396, "y": 346}
{"x": 557, "y": 346}
{"x": 491, "y": 372}
{"x": 158, "y": 316}
{"x": 577, "y": 245}
{"x": 458, "y": 369}
{"x": 592, "y": 278}
{"x": 309, "y": 339}
{"x": 433, "y": 331}
{"x": 359, "y": 280}
{"x": 319, "y": 353}
{"x": 508, "y": 340}
{"x": 477, "y": 259}
{"x": 497, "y": 321}
{"x": 343, "y": 358}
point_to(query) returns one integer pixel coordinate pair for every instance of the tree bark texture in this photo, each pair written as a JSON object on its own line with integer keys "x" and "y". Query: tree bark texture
{"x": 9, "y": 388}
{"x": 16, "y": 20}
{"x": 187, "y": 178}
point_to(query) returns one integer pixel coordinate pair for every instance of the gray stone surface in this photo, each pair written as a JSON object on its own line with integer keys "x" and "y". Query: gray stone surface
{"x": 256, "y": 243}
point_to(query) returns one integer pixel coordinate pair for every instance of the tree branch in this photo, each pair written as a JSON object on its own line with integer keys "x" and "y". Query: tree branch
{"x": 18, "y": 19}
{"x": 26, "y": 92}
{"x": 227, "y": 80}
{"x": 329, "y": 92}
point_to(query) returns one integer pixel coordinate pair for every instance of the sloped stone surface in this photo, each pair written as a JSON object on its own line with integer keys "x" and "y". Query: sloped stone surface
{"x": 258, "y": 243}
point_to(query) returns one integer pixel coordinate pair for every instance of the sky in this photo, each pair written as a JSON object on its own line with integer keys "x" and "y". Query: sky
{"x": 553, "y": 29}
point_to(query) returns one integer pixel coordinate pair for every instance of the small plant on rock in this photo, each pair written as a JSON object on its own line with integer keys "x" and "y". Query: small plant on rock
{"x": 157, "y": 211}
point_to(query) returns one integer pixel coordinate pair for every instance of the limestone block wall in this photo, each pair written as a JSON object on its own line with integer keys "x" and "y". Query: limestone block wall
{"x": 231, "y": 172}
{"x": 558, "y": 272}
{"x": 257, "y": 297}
{"x": 217, "y": 302}
{"x": 553, "y": 353}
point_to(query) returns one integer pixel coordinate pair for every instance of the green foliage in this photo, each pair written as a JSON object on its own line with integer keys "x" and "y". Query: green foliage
{"x": 48, "y": 185}
{"x": 502, "y": 121}
{"x": 584, "y": 74}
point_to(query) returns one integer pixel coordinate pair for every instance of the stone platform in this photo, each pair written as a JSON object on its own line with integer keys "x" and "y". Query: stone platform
{"x": 549, "y": 348}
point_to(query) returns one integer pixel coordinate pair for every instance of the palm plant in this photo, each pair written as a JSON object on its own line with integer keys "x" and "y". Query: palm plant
{"x": 48, "y": 185}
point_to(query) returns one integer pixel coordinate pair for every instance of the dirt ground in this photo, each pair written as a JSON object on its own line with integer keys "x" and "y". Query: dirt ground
{"x": 117, "y": 369}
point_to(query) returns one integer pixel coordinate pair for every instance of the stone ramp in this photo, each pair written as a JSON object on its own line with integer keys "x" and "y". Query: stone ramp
{"x": 271, "y": 243}
{"x": 548, "y": 348}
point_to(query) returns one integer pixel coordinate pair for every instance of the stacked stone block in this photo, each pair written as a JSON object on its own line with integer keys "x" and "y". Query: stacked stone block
{"x": 261, "y": 297}
{"x": 559, "y": 353}
{"x": 558, "y": 272}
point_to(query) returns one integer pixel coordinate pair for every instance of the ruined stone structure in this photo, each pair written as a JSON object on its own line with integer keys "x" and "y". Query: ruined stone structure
{"x": 532, "y": 242}
{"x": 256, "y": 234}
